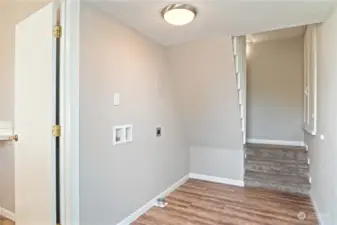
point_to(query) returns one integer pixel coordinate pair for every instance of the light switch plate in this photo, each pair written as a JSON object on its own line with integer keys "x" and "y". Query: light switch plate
{"x": 116, "y": 99}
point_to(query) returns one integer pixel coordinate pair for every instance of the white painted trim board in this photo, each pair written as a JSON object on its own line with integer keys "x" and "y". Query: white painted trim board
{"x": 70, "y": 206}
{"x": 152, "y": 202}
{"x": 7, "y": 214}
{"x": 275, "y": 142}
{"x": 220, "y": 180}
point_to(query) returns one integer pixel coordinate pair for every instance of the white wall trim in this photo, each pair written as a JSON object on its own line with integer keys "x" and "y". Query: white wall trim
{"x": 152, "y": 202}
{"x": 275, "y": 142}
{"x": 69, "y": 163}
{"x": 7, "y": 214}
{"x": 220, "y": 180}
{"x": 128, "y": 220}
{"x": 319, "y": 216}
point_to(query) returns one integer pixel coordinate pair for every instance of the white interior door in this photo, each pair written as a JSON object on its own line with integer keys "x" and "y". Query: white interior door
{"x": 34, "y": 116}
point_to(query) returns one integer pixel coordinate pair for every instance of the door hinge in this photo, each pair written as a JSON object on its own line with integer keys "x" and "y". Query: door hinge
{"x": 57, "y": 31}
{"x": 56, "y": 131}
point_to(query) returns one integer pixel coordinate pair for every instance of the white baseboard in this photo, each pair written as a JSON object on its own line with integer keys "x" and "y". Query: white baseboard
{"x": 152, "y": 202}
{"x": 220, "y": 180}
{"x": 319, "y": 217}
{"x": 180, "y": 182}
{"x": 275, "y": 142}
{"x": 7, "y": 214}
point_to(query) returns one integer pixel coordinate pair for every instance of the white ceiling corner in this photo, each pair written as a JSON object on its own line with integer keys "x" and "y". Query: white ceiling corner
{"x": 277, "y": 34}
{"x": 215, "y": 17}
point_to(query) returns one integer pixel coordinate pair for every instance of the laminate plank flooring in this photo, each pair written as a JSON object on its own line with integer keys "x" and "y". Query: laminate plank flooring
{"x": 4, "y": 221}
{"x": 205, "y": 203}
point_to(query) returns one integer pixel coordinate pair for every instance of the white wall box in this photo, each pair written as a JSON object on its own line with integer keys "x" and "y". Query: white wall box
{"x": 122, "y": 134}
{"x": 128, "y": 133}
{"x": 118, "y": 135}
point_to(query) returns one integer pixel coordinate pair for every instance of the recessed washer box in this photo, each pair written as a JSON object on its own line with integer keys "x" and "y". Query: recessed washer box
{"x": 128, "y": 133}
{"x": 122, "y": 134}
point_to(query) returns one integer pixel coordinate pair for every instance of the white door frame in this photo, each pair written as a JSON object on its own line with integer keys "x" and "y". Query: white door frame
{"x": 69, "y": 159}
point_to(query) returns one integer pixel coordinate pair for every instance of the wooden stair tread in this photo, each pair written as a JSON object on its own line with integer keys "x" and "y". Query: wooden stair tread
{"x": 273, "y": 178}
{"x": 278, "y": 161}
{"x": 275, "y": 147}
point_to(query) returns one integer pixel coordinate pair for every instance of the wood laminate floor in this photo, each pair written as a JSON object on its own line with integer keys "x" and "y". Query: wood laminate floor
{"x": 4, "y": 221}
{"x": 206, "y": 203}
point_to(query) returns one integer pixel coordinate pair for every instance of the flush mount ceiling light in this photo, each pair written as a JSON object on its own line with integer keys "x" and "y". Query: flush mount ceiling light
{"x": 179, "y": 14}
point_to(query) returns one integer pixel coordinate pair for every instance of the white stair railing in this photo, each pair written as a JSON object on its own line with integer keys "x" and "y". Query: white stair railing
{"x": 239, "y": 50}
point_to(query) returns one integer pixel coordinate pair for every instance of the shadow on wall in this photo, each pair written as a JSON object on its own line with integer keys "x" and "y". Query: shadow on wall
{"x": 275, "y": 90}
{"x": 205, "y": 86}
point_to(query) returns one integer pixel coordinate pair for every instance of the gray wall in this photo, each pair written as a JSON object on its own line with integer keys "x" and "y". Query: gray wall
{"x": 275, "y": 90}
{"x": 205, "y": 85}
{"x": 323, "y": 154}
{"x": 116, "y": 180}
{"x": 10, "y": 13}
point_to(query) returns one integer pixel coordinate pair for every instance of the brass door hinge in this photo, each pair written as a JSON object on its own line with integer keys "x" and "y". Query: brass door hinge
{"x": 57, "y": 31}
{"x": 56, "y": 131}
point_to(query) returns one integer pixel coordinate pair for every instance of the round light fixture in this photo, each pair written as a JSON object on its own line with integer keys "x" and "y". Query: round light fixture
{"x": 179, "y": 14}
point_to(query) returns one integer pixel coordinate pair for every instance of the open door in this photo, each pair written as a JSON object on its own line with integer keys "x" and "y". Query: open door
{"x": 36, "y": 112}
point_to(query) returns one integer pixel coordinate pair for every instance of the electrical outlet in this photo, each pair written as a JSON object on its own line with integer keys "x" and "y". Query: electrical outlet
{"x": 158, "y": 132}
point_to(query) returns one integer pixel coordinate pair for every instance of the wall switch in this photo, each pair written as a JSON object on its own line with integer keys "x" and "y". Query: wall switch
{"x": 116, "y": 99}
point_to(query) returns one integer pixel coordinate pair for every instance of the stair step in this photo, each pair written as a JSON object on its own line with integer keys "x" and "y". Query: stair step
{"x": 276, "y": 147}
{"x": 282, "y": 168}
{"x": 271, "y": 161}
{"x": 297, "y": 189}
{"x": 285, "y": 183}
{"x": 278, "y": 169}
{"x": 278, "y": 179}
{"x": 282, "y": 154}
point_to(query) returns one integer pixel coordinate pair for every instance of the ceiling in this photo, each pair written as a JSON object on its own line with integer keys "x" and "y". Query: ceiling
{"x": 216, "y": 17}
{"x": 276, "y": 34}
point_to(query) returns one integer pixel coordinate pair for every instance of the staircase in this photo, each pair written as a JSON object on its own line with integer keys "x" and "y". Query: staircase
{"x": 282, "y": 168}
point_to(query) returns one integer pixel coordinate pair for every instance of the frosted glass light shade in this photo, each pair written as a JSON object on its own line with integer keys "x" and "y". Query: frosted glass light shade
{"x": 179, "y": 14}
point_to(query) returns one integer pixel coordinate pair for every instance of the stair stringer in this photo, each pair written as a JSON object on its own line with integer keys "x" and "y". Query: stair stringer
{"x": 239, "y": 52}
